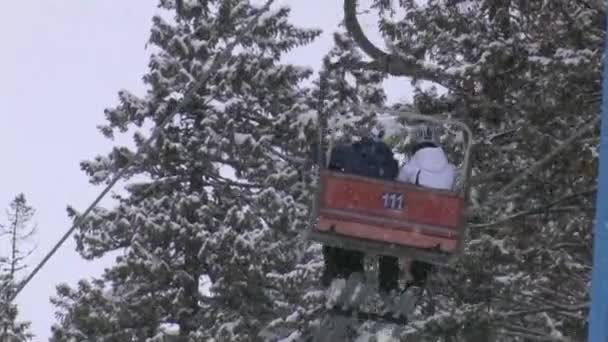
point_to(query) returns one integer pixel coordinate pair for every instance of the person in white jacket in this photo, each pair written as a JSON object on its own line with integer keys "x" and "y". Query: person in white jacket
{"x": 428, "y": 166}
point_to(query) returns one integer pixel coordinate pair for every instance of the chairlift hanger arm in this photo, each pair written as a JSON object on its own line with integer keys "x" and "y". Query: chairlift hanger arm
{"x": 382, "y": 61}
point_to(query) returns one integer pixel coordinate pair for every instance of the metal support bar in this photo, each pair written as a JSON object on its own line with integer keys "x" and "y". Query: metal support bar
{"x": 374, "y": 248}
{"x": 598, "y": 314}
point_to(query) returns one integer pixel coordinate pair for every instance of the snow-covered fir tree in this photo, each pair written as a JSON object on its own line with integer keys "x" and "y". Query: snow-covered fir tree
{"x": 341, "y": 90}
{"x": 226, "y": 193}
{"x": 16, "y": 234}
{"x": 525, "y": 75}
{"x": 192, "y": 222}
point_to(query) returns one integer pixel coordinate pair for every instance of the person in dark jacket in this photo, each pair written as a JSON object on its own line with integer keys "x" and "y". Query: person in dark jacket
{"x": 368, "y": 157}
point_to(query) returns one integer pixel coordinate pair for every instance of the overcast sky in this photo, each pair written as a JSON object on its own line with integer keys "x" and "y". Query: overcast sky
{"x": 61, "y": 63}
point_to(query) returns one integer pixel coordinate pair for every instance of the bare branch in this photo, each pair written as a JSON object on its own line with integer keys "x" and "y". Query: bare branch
{"x": 531, "y": 334}
{"x": 294, "y": 161}
{"x": 225, "y": 181}
{"x": 532, "y": 212}
{"x": 561, "y": 310}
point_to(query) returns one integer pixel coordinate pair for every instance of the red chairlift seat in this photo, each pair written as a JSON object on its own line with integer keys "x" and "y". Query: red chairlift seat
{"x": 393, "y": 218}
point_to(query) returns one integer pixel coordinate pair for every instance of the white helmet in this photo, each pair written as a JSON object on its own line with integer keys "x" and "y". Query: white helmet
{"x": 426, "y": 133}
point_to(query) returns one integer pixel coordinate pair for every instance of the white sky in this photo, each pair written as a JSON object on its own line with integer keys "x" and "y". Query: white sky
{"x": 61, "y": 63}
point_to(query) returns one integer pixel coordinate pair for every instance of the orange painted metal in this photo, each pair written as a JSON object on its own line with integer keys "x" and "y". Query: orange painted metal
{"x": 364, "y": 195}
{"x": 379, "y": 233}
{"x": 355, "y": 206}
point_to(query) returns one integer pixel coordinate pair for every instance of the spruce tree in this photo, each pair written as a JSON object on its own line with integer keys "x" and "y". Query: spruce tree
{"x": 16, "y": 233}
{"x": 225, "y": 195}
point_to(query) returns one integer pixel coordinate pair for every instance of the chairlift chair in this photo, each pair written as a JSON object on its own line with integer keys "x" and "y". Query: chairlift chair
{"x": 394, "y": 218}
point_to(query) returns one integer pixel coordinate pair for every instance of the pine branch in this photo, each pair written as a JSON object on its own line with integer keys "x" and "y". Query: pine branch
{"x": 548, "y": 208}
{"x": 527, "y": 333}
{"x": 560, "y": 310}
{"x": 222, "y": 181}
{"x": 499, "y": 195}
{"x": 293, "y": 161}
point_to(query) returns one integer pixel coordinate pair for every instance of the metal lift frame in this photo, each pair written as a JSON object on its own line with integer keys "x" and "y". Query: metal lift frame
{"x": 373, "y": 248}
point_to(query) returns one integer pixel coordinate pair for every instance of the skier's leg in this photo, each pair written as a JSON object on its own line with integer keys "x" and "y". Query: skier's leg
{"x": 388, "y": 273}
{"x": 406, "y": 300}
{"x": 340, "y": 263}
{"x": 350, "y": 262}
{"x": 388, "y": 282}
{"x": 419, "y": 271}
{"x": 346, "y": 289}
{"x": 331, "y": 265}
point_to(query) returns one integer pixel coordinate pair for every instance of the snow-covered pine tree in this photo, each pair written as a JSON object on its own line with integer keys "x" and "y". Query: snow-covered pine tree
{"x": 16, "y": 234}
{"x": 341, "y": 89}
{"x": 525, "y": 75}
{"x": 226, "y": 192}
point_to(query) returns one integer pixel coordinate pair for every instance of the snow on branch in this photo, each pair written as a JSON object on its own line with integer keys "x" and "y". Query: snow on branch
{"x": 498, "y": 196}
{"x": 551, "y": 207}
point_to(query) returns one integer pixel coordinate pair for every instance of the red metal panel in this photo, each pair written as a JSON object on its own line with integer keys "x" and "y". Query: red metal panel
{"x": 365, "y": 196}
{"x": 351, "y": 216}
{"x": 384, "y": 234}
